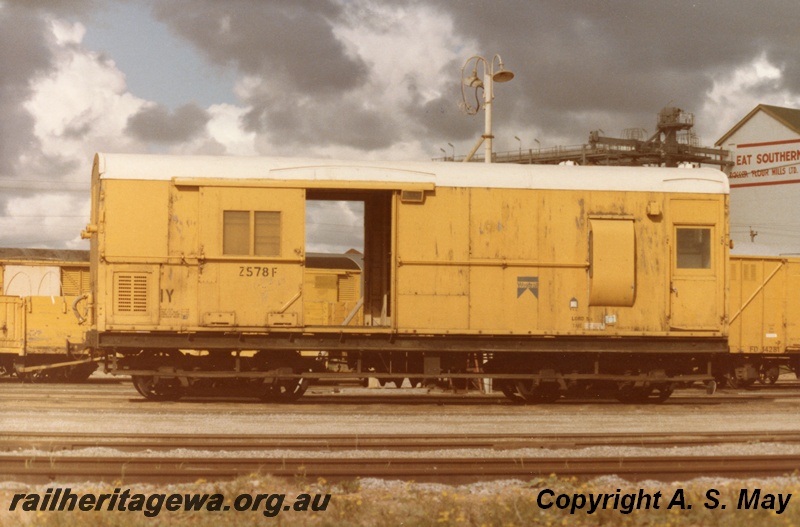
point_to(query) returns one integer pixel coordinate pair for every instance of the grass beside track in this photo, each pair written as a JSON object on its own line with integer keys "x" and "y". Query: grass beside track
{"x": 379, "y": 503}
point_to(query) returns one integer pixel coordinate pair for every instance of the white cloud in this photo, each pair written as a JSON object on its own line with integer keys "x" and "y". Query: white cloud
{"x": 735, "y": 93}
{"x": 226, "y": 128}
{"x": 47, "y": 219}
{"x": 410, "y": 51}
{"x": 68, "y": 33}
{"x": 79, "y": 107}
{"x": 82, "y": 106}
{"x": 405, "y": 46}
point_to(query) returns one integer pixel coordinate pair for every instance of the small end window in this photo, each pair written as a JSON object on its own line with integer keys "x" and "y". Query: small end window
{"x": 694, "y": 248}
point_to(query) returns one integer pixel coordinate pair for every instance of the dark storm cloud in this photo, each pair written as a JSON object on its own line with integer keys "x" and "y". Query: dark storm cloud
{"x": 580, "y": 65}
{"x": 23, "y": 55}
{"x": 325, "y": 120}
{"x": 626, "y": 58}
{"x": 26, "y": 54}
{"x": 69, "y": 7}
{"x": 305, "y": 69}
{"x": 156, "y": 123}
{"x": 287, "y": 38}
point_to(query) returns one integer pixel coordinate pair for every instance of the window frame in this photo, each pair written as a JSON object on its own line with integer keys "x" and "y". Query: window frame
{"x": 705, "y": 245}
{"x": 251, "y": 232}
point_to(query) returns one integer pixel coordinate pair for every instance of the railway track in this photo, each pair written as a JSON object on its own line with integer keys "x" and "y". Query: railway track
{"x": 124, "y": 395}
{"x": 64, "y": 458}
{"x": 127, "y": 470}
{"x": 63, "y": 442}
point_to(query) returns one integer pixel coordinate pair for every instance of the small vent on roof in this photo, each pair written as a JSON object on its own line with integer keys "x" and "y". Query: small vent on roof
{"x": 412, "y": 196}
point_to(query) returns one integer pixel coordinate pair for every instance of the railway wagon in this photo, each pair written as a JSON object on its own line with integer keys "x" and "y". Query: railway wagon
{"x": 543, "y": 278}
{"x": 764, "y": 318}
{"x": 41, "y": 338}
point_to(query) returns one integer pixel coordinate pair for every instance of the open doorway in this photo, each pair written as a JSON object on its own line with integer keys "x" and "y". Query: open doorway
{"x": 348, "y": 258}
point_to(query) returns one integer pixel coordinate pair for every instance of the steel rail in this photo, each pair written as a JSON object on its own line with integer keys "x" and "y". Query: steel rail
{"x": 60, "y": 442}
{"x": 126, "y": 470}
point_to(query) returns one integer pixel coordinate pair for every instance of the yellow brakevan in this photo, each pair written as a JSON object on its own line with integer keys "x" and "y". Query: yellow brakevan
{"x": 544, "y": 278}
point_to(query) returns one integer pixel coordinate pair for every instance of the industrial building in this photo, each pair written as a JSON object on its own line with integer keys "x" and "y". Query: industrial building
{"x": 764, "y": 179}
{"x": 673, "y": 144}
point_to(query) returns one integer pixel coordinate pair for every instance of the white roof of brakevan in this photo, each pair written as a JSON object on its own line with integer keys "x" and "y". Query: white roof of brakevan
{"x": 443, "y": 174}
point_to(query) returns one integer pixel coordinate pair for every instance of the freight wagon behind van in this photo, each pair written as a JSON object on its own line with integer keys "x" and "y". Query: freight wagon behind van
{"x": 765, "y": 318}
{"x": 41, "y": 338}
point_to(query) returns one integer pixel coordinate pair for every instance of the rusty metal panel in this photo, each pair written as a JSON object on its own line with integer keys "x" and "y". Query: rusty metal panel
{"x": 562, "y": 248}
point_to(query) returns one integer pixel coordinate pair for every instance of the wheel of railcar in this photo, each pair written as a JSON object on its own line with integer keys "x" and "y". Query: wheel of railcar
{"x": 32, "y": 376}
{"x": 507, "y": 386}
{"x": 534, "y": 391}
{"x": 276, "y": 389}
{"x": 459, "y": 384}
{"x": 284, "y": 390}
{"x": 737, "y": 383}
{"x": 509, "y": 389}
{"x": 161, "y": 389}
{"x": 629, "y": 393}
{"x": 6, "y": 368}
{"x": 768, "y": 374}
{"x": 660, "y": 392}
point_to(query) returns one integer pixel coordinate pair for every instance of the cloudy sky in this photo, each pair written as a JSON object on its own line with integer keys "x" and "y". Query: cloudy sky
{"x": 354, "y": 79}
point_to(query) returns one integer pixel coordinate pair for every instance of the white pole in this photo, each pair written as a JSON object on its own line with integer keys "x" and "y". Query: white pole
{"x": 488, "y": 95}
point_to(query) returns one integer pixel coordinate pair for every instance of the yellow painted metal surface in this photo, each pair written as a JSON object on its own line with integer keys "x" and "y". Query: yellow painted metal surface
{"x": 50, "y": 324}
{"x": 179, "y": 268}
{"x": 765, "y": 307}
{"x": 12, "y": 321}
{"x": 330, "y": 296}
{"x": 698, "y": 243}
{"x": 38, "y": 318}
{"x": 38, "y": 325}
{"x": 612, "y": 268}
{"x": 467, "y": 260}
{"x": 512, "y": 261}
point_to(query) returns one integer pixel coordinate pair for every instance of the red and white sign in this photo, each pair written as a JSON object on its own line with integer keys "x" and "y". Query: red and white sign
{"x": 772, "y": 163}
